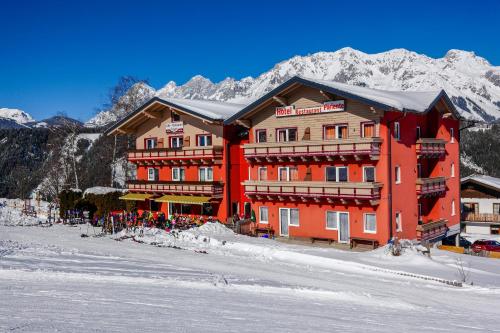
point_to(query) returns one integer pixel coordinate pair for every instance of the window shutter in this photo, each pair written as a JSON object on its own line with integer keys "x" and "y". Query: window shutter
{"x": 160, "y": 143}
{"x": 308, "y": 176}
{"x": 186, "y": 141}
{"x": 307, "y": 134}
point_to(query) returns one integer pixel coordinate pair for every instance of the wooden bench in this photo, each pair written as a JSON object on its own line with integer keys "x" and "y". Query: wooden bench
{"x": 329, "y": 240}
{"x": 354, "y": 241}
{"x": 263, "y": 231}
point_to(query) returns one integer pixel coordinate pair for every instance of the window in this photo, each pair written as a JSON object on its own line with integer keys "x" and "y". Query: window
{"x": 153, "y": 174}
{"x": 369, "y": 174}
{"x": 399, "y": 226}
{"x": 337, "y": 174}
{"x": 397, "y": 134}
{"x": 472, "y": 207}
{"x": 247, "y": 210}
{"x": 419, "y": 170}
{"x": 419, "y": 211}
{"x": 453, "y": 212}
{"x": 151, "y": 143}
{"x": 368, "y": 130}
{"x": 178, "y": 174}
{"x": 288, "y": 174}
{"x": 175, "y": 117}
{"x": 452, "y": 135}
{"x": 294, "y": 216}
{"x": 397, "y": 174}
{"x": 496, "y": 208}
{"x": 263, "y": 215}
{"x": 331, "y": 132}
{"x": 286, "y": 134}
{"x": 176, "y": 141}
{"x": 204, "y": 140}
{"x": 206, "y": 174}
{"x": 370, "y": 223}
{"x": 332, "y": 220}
{"x": 262, "y": 173}
{"x": 419, "y": 133}
{"x": 261, "y": 135}
{"x": 452, "y": 170}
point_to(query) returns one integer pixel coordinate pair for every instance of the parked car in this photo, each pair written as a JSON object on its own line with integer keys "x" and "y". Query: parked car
{"x": 463, "y": 242}
{"x": 485, "y": 245}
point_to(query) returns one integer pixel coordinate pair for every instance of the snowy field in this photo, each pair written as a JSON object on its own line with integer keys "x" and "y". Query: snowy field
{"x": 210, "y": 280}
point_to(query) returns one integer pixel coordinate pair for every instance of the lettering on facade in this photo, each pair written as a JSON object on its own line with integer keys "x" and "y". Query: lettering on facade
{"x": 329, "y": 106}
{"x": 175, "y": 127}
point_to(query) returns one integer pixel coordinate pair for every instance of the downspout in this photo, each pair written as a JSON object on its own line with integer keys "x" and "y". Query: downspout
{"x": 389, "y": 167}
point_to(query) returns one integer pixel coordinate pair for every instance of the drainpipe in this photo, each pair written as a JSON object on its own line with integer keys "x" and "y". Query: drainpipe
{"x": 389, "y": 166}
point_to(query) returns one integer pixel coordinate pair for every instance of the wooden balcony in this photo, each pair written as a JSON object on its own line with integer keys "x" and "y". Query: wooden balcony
{"x": 431, "y": 229}
{"x": 434, "y": 186}
{"x": 313, "y": 191}
{"x": 176, "y": 156}
{"x": 430, "y": 148}
{"x": 313, "y": 150}
{"x": 213, "y": 189}
{"x": 481, "y": 217}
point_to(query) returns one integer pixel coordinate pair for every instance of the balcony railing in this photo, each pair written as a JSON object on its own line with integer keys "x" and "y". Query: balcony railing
{"x": 431, "y": 186}
{"x": 176, "y": 155}
{"x": 480, "y": 217}
{"x": 306, "y": 150}
{"x": 312, "y": 190}
{"x": 431, "y": 230}
{"x": 429, "y": 147}
{"x": 176, "y": 187}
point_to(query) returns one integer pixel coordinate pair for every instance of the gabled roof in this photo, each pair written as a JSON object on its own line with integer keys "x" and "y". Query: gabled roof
{"x": 204, "y": 109}
{"x": 405, "y": 101}
{"x": 487, "y": 181}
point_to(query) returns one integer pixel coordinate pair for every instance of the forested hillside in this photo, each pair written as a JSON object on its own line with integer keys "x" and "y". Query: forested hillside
{"x": 480, "y": 151}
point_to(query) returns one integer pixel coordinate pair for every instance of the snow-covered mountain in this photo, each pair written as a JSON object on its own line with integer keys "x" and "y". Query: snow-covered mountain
{"x": 14, "y": 118}
{"x": 471, "y": 81}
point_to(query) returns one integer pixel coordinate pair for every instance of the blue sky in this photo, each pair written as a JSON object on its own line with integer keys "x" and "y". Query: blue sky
{"x": 64, "y": 55}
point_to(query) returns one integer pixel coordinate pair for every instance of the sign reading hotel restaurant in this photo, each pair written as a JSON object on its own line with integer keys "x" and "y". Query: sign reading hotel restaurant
{"x": 175, "y": 128}
{"x": 329, "y": 106}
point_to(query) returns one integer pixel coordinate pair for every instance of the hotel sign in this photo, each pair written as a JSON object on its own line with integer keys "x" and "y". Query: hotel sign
{"x": 175, "y": 128}
{"x": 290, "y": 110}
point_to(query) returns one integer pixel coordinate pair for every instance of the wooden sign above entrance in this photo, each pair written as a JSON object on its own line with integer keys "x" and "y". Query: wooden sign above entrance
{"x": 329, "y": 106}
{"x": 175, "y": 128}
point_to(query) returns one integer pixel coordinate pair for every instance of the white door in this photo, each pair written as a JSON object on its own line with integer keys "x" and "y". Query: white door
{"x": 284, "y": 220}
{"x": 343, "y": 227}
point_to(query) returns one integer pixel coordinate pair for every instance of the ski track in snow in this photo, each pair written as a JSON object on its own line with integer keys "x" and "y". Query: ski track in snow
{"x": 51, "y": 279}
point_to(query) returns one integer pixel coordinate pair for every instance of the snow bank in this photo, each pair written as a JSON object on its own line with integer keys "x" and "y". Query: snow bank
{"x": 13, "y": 217}
{"x": 101, "y": 190}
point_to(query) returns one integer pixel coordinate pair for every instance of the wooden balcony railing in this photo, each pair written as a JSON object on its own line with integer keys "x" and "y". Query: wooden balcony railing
{"x": 176, "y": 155}
{"x": 173, "y": 187}
{"x": 431, "y": 186}
{"x": 306, "y": 150}
{"x": 313, "y": 190}
{"x": 429, "y": 147}
{"x": 480, "y": 217}
{"x": 431, "y": 229}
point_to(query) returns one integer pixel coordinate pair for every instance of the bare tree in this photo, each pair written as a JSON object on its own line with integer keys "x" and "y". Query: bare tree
{"x": 463, "y": 271}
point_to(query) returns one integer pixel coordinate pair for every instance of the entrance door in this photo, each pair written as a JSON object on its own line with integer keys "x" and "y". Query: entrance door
{"x": 343, "y": 227}
{"x": 284, "y": 216}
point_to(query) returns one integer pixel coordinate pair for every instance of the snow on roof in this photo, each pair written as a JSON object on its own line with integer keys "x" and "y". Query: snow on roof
{"x": 418, "y": 101}
{"x": 206, "y": 108}
{"x": 101, "y": 190}
{"x": 483, "y": 179}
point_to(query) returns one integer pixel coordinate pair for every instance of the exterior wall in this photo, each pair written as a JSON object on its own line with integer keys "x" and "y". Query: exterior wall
{"x": 478, "y": 228}
{"x": 485, "y": 205}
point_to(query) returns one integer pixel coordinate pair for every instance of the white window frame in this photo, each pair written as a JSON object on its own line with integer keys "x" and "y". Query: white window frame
{"x": 399, "y": 226}
{"x": 258, "y": 173}
{"x": 364, "y": 224}
{"x": 374, "y": 173}
{"x": 206, "y": 136}
{"x": 257, "y": 131}
{"x": 260, "y": 215}
{"x": 287, "y": 134}
{"x": 418, "y": 132}
{"x": 337, "y": 131}
{"x": 397, "y": 131}
{"x": 452, "y": 135}
{"x": 154, "y": 173}
{"x": 179, "y": 141}
{"x": 287, "y": 173}
{"x": 452, "y": 172}
{"x": 205, "y": 171}
{"x": 290, "y": 217}
{"x": 181, "y": 175}
{"x": 337, "y": 216}
{"x": 397, "y": 174}
{"x": 154, "y": 140}
{"x": 453, "y": 208}
{"x": 363, "y": 129}
{"x": 337, "y": 174}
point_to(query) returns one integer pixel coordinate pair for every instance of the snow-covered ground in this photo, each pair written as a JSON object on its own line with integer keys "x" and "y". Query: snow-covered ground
{"x": 211, "y": 280}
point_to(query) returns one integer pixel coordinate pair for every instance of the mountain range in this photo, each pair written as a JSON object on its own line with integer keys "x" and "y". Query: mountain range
{"x": 15, "y": 118}
{"x": 470, "y": 80}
